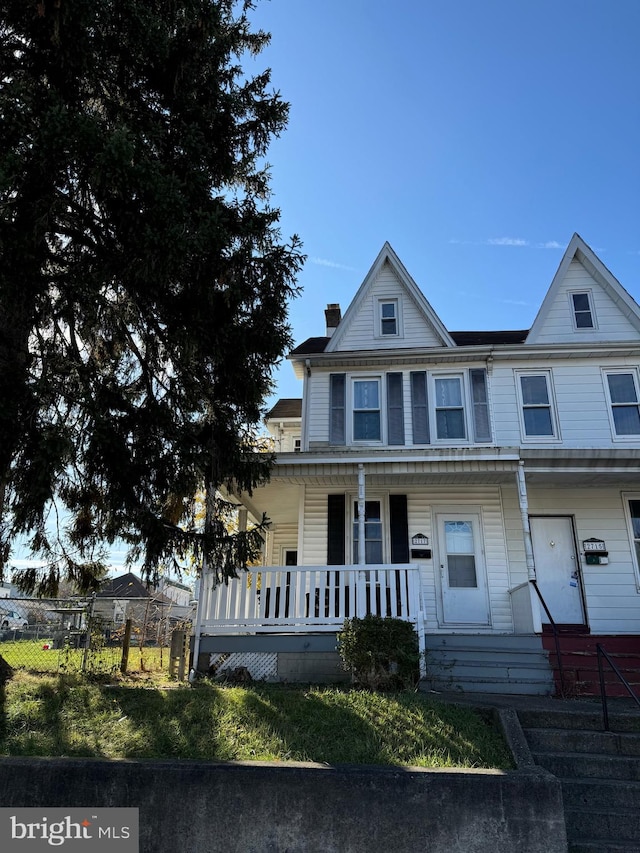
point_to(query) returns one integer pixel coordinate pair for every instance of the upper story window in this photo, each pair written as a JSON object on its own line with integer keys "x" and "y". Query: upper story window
{"x": 449, "y": 408}
{"x": 582, "y": 310}
{"x": 388, "y": 318}
{"x": 420, "y": 406}
{"x": 622, "y": 389}
{"x": 538, "y": 417}
{"x": 367, "y": 425}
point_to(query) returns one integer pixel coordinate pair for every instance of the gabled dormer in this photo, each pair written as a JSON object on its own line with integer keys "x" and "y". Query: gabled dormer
{"x": 389, "y": 312}
{"x": 585, "y": 304}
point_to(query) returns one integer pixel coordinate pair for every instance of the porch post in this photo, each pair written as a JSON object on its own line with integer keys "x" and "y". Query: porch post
{"x": 203, "y": 601}
{"x": 526, "y": 529}
{"x": 362, "y": 557}
{"x": 361, "y": 538}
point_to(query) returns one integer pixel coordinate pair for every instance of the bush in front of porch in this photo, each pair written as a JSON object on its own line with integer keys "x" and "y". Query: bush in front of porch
{"x": 382, "y": 653}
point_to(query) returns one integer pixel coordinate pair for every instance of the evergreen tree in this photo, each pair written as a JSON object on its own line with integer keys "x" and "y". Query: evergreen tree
{"x": 143, "y": 279}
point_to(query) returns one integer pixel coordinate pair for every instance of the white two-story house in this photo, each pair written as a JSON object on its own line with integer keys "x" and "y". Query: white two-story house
{"x": 483, "y": 485}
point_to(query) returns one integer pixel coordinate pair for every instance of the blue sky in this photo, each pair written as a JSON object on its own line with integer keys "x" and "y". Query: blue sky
{"x": 474, "y": 135}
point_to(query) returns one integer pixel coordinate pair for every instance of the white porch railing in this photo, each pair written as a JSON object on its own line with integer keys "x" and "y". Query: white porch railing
{"x": 308, "y": 598}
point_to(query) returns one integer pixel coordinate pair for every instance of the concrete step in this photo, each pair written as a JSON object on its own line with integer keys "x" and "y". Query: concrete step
{"x": 603, "y": 824}
{"x": 580, "y": 740}
{"x": 572, "y": 765}
{"x": 594, "y": 793}
{"x": 487, "y": 655}
{"x": 530, "y": 642}
{"x": 603, "y": 847}
{"x": 493, "y": 663}
{"x": 620, "y": 720}
{"x": 481, "y": 669}
{"x": 521, "y": 686}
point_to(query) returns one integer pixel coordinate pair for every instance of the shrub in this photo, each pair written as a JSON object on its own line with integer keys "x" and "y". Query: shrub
{"x": 381, "y": 653}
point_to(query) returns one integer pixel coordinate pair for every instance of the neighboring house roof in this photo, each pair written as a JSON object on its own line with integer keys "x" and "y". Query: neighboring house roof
{"x": 287, "y": 407}
{"x": 130, "y": 586}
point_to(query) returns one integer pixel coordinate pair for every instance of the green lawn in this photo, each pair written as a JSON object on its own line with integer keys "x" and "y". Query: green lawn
{"x": 33, "y": 656}
{"x": 68, "y": 715}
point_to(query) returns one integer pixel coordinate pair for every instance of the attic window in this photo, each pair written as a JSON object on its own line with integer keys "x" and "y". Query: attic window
{"x": 582, "y": 310}
{"x": 388, "y": 317}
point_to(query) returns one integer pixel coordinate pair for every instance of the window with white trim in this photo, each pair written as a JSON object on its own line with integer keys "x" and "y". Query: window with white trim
{"x": 536, "y": 405}
{"x": 449, "y": 408}
{"x": 582, "y": 310}
{"x": 388, "y": 318}
{"x": 367, "y": 422}
{"x": 622, "y": 393}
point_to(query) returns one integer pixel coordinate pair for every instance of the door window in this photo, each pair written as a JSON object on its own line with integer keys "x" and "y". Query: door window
{"x": 372, "y": 533}
{"x": 461, "y": 560}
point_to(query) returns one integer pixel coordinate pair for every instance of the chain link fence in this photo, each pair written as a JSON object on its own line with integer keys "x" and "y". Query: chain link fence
{"x": 93, "y": 635}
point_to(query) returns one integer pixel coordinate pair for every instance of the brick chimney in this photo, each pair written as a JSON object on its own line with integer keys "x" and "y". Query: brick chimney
{"x": 333, "y": 315}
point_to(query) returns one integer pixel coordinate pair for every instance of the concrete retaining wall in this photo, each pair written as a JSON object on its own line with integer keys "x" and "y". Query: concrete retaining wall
{"x": 201, "y": 807}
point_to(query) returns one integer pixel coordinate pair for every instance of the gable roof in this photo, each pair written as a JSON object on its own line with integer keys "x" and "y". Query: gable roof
{"x": 387, "y": 255}
{"x": 130, "y": 586}
{"x": 287, "y": 407}
{"x": 578, "y": 250}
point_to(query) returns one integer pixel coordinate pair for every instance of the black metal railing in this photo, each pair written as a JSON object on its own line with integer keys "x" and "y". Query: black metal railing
{"x": 602, "y": 653}
{"x": 556, "y": 636}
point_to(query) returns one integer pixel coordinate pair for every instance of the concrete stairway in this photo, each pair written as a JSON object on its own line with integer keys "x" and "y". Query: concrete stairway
{"x": 481, "y": 663}
{"x": 599, "y": 772}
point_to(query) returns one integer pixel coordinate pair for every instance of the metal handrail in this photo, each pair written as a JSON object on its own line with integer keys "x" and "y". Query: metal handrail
{"x": 602, "y": 653}
{"x": 556, "y": 635}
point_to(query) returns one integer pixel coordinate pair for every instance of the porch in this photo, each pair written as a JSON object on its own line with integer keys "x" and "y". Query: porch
{"x": 281, "y": 621}
{"x": 308, "y": 599}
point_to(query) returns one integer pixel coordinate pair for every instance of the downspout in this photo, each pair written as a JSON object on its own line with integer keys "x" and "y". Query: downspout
{"x": 526, "y": 528}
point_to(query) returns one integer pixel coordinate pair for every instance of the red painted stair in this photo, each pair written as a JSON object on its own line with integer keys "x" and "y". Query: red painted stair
{"x": 580, "y": 662}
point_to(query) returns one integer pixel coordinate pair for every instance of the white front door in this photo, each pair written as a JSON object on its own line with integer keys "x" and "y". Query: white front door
{"x": 463, "y": 579}
{"x": 557, "y": 570}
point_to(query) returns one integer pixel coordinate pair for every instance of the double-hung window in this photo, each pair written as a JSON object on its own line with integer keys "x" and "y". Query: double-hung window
{"x": 366, "y": 410}
{"x": 537, "y": 410}
{"x": 449, "y": 408}
{"x": 389, "y": 318}
{"x": 582, "y": 308}
{"x": 622, "y": 388}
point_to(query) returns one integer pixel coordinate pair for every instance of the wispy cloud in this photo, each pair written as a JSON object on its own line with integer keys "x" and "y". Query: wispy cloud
{"x": 518, "y": 242}
{"x": 514, "y": 302}
{"x": 323, "y": 262}
{"x": 507, "y": 241}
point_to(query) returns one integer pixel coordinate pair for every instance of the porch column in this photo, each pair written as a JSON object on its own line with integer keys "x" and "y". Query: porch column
{"x": 362, "y": 557}
{"x": 361, "y": 538}
{"x": 526, "y": 529}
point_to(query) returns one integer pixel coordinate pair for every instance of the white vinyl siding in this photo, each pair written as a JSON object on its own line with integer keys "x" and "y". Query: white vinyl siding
{"x": 363, "y": 329}
{"x": 611, "y": 592}
{"x": 560, "y": 325}
{"x": 581, "y": 404}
